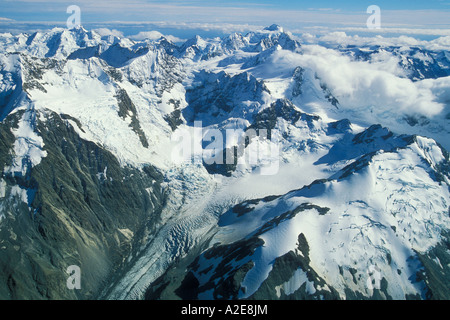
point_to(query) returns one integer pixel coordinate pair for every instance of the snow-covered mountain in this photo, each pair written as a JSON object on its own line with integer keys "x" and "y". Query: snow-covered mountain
{"x": 353, "y": 204}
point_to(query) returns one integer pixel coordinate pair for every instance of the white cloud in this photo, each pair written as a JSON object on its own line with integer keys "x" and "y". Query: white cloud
{"x": 440, "y": 88}
{"x": 155, "y": 35}
{"x": 108, "y": 32}
{"x": 392, "y": 30}
{"x": 376, "y": 86}
{"x": 223, "y": 27}
{"x": 342, "y": 39}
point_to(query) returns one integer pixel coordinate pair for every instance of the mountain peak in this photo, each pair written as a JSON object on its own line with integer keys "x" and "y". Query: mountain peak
{"x": 78, "y": 28}
{"x": 274, "y": 27}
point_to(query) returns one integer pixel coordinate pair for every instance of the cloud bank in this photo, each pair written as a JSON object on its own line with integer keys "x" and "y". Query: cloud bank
{"x": 380, "y": 86}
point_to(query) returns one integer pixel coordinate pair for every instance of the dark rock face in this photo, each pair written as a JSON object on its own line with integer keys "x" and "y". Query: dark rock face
{"x": 220, "y": 96}
{"x": 174, "y": 118}
{"x": 34, "y": 68}
{"x": 84, "y": 209}
{"x": 297, "y": 78}
{"x": 225, "y": 278}
{"x": 116, "y": 56}
{"x": 436, "y": 264}
{"x": 128, "y": 109}
{"x": 284, "y": 109}
{"x": 262, "y": 124}
{"x": 234, "y": 261}
{"x": 284, "y": 268}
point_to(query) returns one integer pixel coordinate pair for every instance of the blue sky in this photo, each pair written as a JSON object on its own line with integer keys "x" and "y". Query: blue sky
{"x": 223, "y": 15}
